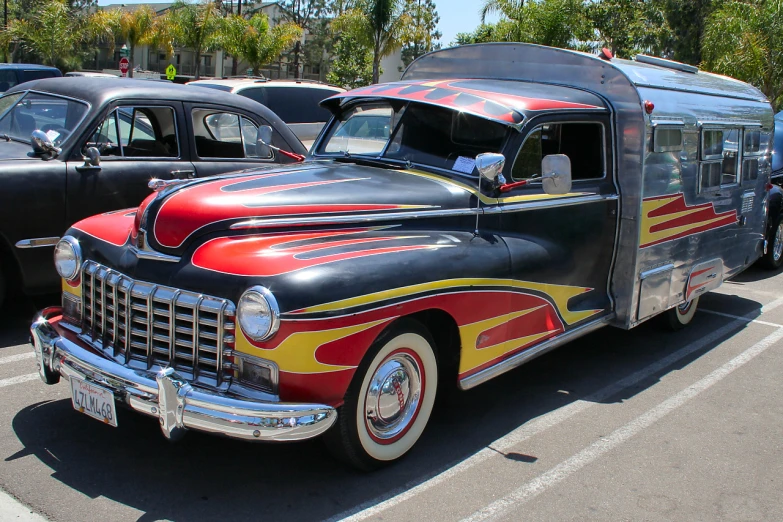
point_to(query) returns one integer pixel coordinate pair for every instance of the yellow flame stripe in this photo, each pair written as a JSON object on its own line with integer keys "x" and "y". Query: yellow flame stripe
{"x": 77, "y": 291}
{"x": 472, "y": 358}
{"x": 647, "y": 237}
{"x": 560, "y": 294}
{"x": 296, "y": 354}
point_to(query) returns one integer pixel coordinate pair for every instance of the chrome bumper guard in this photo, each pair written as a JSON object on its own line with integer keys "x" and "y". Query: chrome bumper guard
{"x": 178, "y": 405}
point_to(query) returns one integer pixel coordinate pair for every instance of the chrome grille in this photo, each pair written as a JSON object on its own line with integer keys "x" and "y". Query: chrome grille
{"x": 147, "y": 325}
{"x": 748, "y": 199}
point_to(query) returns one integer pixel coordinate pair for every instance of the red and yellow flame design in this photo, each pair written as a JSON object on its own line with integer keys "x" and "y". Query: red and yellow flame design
{"x": 665, "y": 218}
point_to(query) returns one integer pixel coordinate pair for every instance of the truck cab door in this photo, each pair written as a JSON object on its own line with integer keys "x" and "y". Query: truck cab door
{"x": 562, "y": 245}
{"x": 136, "y": 142}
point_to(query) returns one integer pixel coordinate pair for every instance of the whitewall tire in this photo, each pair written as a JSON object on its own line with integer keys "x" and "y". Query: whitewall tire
{"x": 390, "y": 399}
{"x": 681, "y": 316}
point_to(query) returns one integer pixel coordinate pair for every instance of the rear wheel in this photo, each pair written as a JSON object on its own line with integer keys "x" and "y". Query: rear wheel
{"x": 681, "y": 316}
{"x": 390, "y": 399}
{"x": 773, "y": 259}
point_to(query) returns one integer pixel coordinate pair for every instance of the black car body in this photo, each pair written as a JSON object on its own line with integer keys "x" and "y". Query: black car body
{"x": 141, "y": 129}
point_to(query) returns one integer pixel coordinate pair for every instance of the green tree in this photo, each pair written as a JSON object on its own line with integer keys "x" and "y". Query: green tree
{"x": 195, "y": 26}
{"x": 423, "y": 31}
{"x": 482, "y": 34}
{"x": 687, "y": 19}
{"x": 744, "y": 39}
{"x": 134, "y": 26}
{"x": 352, "y": 66}
{"x": 302, "y": 13}
{"x": 255, "y": 41}
{"x": 53, "y": 32}
{"x": 380, "y": 25}
{"x": 627, "y": 27}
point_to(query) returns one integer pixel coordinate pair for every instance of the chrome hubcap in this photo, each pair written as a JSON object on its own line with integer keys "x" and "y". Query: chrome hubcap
{"x": 777, "y": 247}
{"x": 393, "y": 396}
{"x": 684, "y": 307}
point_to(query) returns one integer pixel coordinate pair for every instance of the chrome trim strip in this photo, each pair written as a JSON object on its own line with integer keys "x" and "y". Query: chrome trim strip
{"x": 658, "y": 270}
{"x": 531, "y": 353}
{"x": 391, "y": 216}
{"x": 155, "y": 256}
{"x": 550, "y": 203}
{"x": 728, "y": 123}
{"x": 674, "y": 123}
{"x": 166, "y": 395}
{"x": 37, "y": 242}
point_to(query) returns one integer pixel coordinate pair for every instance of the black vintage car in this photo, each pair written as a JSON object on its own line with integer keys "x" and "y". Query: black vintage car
{"x": 74, "y": 147}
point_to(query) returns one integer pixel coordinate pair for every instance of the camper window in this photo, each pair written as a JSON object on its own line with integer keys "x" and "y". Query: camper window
{"x": 667, "y": 139}
{"x": 730, "y": 157}
{"x": 712, "y": 145}
{"x": 583, "y": 143}
{"x": 751, "y": 150}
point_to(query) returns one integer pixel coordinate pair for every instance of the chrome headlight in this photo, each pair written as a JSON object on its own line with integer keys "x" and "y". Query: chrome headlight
{"x": 68, "y": 258}
{"x": 258, "y": 313}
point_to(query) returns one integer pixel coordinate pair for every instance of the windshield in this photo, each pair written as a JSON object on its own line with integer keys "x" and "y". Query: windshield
{"x": 416, "y": 133}
{"x": 21, "y": 114}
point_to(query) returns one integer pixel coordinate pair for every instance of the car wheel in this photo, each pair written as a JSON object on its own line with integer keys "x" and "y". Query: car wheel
{"x": 773, "y": 259}
{"x": 681, "y": 316}
{"x": 390, "y": 398}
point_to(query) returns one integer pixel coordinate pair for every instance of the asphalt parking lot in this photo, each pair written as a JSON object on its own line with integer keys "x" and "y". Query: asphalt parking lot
{"x": 640, "y": 425}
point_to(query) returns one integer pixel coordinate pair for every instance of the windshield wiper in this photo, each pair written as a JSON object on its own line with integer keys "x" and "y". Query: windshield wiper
{"x": 372, "y": 162}
{"x": 6, "y": 137}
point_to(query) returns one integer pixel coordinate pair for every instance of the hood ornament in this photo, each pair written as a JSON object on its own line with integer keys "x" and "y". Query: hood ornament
{"x": 161, "y": 184}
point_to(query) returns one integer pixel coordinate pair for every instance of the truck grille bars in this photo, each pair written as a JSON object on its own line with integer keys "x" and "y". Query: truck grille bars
{"x": 144, "y": 325}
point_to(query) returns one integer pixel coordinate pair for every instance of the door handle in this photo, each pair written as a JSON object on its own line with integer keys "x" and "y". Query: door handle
{"x": 183, "y": 174}
{"x": 88, "y": 168}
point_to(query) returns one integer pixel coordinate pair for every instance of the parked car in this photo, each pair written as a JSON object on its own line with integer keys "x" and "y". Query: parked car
{"x": 773, "y": 253}
{"x": 107, "y": 139}
{"x": 295, "y": 101}
{"x": 12, "y": 74}
{"x": 442, "y": 233}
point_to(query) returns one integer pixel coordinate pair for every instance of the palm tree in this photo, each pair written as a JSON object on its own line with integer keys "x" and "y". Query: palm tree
{"x": 511, "y": 9}
{"x": 196, "y": 26}
{"x": 381, "y": 25}
{"x": 745, "y": 40}
{"x": 52, "y": 33}
{"x": 139, "y": 26}
{"x": 255, "y": 42}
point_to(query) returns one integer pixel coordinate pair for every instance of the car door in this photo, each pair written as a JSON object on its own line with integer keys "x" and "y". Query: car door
{"x": 564, "y": 242}
{"x": 137, "y": 142}
{"x": 224, "y": 140}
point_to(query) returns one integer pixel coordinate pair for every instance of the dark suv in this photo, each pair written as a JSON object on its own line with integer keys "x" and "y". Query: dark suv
{"x": 14, "y": 73}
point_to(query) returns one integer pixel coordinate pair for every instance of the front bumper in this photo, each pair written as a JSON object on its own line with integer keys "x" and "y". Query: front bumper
{"x": 166, "y": 395}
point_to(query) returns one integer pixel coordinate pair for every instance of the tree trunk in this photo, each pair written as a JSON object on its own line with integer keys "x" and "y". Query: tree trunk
{"x": 198, "y": 63}
{"x": 234, "y": 66}
{"x": 297, "y": 50}
{"x": 130, "y": 60}
{"x": 14, "y": 52}
{"x": 376, "y": 62}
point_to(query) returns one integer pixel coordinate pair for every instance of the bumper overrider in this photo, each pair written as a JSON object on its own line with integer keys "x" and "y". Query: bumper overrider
{"x": 166, "y": 395}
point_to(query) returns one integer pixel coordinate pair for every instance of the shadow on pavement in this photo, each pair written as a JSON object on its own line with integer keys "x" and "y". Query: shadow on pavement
{"x": 207, "y": 478}
{"x": 17, "y": 314}
{"x": 755, "y": 273}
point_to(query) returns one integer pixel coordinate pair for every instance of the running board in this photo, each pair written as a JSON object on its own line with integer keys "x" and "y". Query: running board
{"x": 522, "y": 357}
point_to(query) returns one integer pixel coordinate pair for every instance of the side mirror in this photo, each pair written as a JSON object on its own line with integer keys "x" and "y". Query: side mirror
{"x": 43, "y": 145}
{"x": 556, "y": 174}
{"x": 263, "y": 140}
{"x": 92, "y": 157}
{"x": 490, "y": 165}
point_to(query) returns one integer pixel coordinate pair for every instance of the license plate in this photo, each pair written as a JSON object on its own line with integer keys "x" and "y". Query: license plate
{"x": 95, "y": 401}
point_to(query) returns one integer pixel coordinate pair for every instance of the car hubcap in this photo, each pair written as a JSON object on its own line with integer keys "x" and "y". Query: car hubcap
{"x": 777, "y": 248}
{"x": 684, "y": 307}
{"x": 393, "y": 397}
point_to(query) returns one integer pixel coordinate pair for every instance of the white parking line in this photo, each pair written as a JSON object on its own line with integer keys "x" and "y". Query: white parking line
{"x": 598, "y": 448}
{"x": 12, "y": 509}
{"x": 732, "y": 316}
{"x": 380, "y": 504}
{"x": 19, "y": 357}
{"x": 18, "y": 380}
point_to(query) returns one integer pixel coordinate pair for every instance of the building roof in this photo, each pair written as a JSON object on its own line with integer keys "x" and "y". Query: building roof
{"x": 502, "y": 101}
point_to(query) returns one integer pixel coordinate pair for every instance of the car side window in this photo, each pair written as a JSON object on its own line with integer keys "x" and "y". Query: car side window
{"x": 220, "y": 134}
{"x": 137, "y": 132}
{"x": 7, "y": 79}
{"x": 583, "y": 143}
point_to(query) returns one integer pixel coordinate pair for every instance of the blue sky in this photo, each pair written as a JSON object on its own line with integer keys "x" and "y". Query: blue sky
{"x": 456, "y": 16}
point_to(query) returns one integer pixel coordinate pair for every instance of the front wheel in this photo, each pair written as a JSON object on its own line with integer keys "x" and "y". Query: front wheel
{"x": 681, "y": 316}
{"x": 390, "y": 399}
{"x": 773, "y": 259}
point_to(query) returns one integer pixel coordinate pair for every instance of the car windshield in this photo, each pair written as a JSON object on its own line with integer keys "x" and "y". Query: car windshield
{"x": 416, "y": 133}
{"x": 21, "y": 114}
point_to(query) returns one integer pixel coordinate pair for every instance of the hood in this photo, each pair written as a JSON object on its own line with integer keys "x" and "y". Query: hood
{"x": 11, "y": 150}
{"x": 317, "y": 192}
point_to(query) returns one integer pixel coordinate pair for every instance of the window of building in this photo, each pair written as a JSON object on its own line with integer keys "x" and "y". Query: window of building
{"x": 137, "y": 132}
{"x": 583, "y": 143}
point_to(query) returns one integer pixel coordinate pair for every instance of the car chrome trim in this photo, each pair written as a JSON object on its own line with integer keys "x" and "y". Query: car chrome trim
{"x": 166, "y": 395}
{"x": 155, "y": 256}
{"x": 550, "y": 203}
{"x": 658, "y": 270}
{"x": 522, "y": 357}
{"x": 276, "y": 222}
{"x": 37, "y": 242}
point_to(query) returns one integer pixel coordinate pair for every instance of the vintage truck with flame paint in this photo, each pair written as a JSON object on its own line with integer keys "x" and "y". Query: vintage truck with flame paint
{"x": 497, "y": 202}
